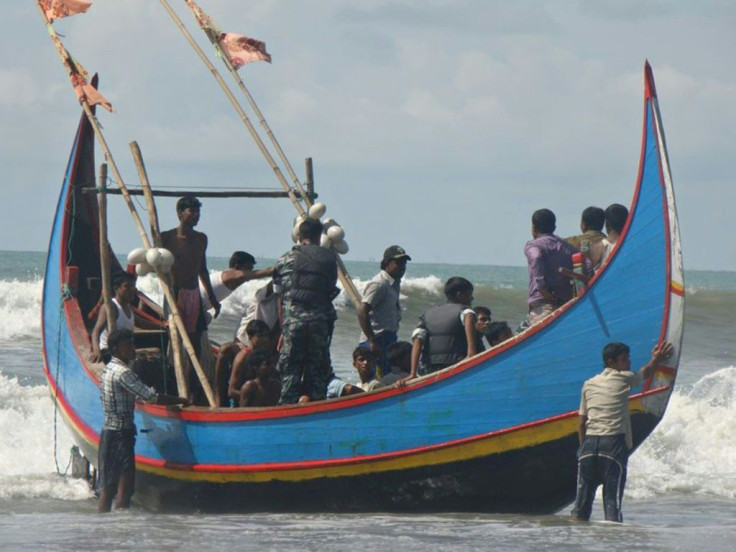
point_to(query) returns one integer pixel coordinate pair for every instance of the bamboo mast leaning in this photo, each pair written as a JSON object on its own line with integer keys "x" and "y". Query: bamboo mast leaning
{"x": 76, "y": 76}
{"x": 181, "y": 382}
{"x": 175, "y": 316}
{"x": 105, "y": 249}
{"x": 347, "y": 283}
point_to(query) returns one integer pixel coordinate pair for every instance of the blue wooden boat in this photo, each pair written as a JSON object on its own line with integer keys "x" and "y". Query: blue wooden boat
{"x": 494, "y": 433}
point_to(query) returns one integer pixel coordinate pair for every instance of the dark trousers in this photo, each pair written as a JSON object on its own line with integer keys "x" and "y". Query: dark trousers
{"x": 304, "y": 362}
{"x": 602, "y": 460}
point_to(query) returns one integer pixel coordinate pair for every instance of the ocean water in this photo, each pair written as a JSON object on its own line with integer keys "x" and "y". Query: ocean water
{"x": 681, "y": 492}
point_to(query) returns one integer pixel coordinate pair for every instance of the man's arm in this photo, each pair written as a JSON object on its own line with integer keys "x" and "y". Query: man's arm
{"x": 582, "y": 423}
{"x": 364, "y": 320}
{"x": 233, "y": 278}
{"x": 96, "y": 331}
{"x": 416, "y": 353}
{"x": 469, "y": 323}
{"x": 234, "y": 386}
{"x": 204, "y": 275}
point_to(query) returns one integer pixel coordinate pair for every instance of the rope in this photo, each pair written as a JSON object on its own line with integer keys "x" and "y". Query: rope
{"x": 66, "y": 294}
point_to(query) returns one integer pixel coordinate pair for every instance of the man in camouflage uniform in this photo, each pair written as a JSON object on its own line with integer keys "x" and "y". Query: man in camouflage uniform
{"x": 306, "y": 280}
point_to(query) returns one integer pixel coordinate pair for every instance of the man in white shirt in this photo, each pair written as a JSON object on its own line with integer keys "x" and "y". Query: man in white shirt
{"x": 604, "y": 429}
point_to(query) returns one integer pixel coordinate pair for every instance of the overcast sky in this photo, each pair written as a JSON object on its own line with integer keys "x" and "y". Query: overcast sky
{"x": 437, "y": 125}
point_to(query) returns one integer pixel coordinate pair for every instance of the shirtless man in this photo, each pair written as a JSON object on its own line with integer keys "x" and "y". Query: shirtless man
{"x": 189, "y": 248}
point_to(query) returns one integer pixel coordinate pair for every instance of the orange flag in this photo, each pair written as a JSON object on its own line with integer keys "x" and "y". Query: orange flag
{"x": 86, "y": 91}
{"x": 242, "y": 49}
{"x": 56, "y": 9}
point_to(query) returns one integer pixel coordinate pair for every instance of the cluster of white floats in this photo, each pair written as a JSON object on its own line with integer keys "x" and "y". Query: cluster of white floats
{"x": 155, "y": 259}
{"x": 158, "y": 259}
{"x": 333, "y": 236}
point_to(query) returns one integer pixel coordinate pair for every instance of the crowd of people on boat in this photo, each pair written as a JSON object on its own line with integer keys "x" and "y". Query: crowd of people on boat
{"x": 280, "y": 353}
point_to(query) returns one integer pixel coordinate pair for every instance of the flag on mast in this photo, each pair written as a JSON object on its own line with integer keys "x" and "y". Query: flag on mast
{"x": 56, "y": 9}
{"x": 239, "y": 49}
{"x": 85, "y": 91}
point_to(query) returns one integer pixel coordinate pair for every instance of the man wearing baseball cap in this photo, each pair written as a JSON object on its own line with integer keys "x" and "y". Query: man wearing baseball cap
{"x": 380, "y": 313}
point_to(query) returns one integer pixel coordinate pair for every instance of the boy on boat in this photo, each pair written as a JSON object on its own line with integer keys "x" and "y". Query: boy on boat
{"x": 239, "y": 271}
{"x": 265, "y": 388}
{"x": 119, "y": 389}
{"x": 242, "y": 371}
{"x": 380, "y": 312}
{"x": 399, "y": 354}
{"x": 364, "y": 364}
{"x": 446, "y": 333}
{"x": 604, "y": 429}
{"x": 123, "y": 286}
{"x": 590, "y": 242}
{"x": 616, "y": 217}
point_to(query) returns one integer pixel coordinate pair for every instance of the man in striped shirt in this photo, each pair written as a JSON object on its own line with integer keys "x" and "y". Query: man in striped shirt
{"x": 119, "y": 389}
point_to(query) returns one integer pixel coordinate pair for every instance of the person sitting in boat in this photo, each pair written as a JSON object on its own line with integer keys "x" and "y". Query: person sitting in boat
{"x": 399, "y": 356}
{"x": 380, "y": 312}
{"x": 446, "y": 333}
{"x": 119, "y": 389}
{"x": 498, "y": 332}
{"x": 306, "y": 278}
{"x": 265, "y": 388}
{"x": 482, "y": 322}
{"x": 338, "y": 387}
{"x": 590, "y": 242}
{"x": 616, "y": 217}
{"x": 363, "y": 362}
{"x": 604, "y": 429}
{"x": 258, "y": 338}
{"x": 189, "y": 248}
{"x": 545, "y": 255}
{"x": 264, "y": 306}
{"x": 123, "y": 286}
{"x": 239, "y": 271}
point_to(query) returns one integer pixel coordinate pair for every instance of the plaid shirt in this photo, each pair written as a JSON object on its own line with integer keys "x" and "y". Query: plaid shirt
{"x": 119, "y": 388}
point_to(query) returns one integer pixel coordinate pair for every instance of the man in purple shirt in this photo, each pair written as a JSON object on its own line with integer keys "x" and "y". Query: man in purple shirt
{"x": 546, "y": 254}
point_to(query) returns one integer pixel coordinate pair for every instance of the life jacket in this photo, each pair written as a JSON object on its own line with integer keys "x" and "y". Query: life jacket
{"x": 446, "y": 342}
{"x": 314, "y": 277}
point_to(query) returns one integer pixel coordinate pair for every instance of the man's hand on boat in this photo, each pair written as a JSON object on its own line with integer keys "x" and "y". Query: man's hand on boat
{"x": 659, "y": 353}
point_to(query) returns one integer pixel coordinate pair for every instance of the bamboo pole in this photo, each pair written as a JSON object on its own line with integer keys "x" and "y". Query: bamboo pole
{"x": 72, "y": 70}
{"x": 175, "y": 316}
{"x": 344, "y": 277}
{"x": 105, "y": 250}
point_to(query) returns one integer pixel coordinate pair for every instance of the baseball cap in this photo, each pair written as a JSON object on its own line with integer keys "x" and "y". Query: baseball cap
{"x": 395, "y": 252}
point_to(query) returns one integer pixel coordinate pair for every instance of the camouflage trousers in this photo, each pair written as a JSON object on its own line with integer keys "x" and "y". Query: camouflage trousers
{"x": 304, "y": 362}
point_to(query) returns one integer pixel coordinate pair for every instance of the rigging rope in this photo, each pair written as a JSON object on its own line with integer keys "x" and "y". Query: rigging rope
{"x": 66, "y": 294}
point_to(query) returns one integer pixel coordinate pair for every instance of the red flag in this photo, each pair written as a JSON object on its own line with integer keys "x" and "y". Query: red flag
{"x": 56, "y": 9}
{"x": 242, "y": 49}
{"x": 86, "y": 91}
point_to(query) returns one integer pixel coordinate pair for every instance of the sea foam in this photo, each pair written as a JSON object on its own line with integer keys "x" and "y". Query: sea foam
{"x": 20, "y": 307}
{"x": 27, "y": 466}
{"x": 692, "y": 450}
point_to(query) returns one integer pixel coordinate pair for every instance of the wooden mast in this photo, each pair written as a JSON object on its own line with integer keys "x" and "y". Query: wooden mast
{"x": 347, "y": 283}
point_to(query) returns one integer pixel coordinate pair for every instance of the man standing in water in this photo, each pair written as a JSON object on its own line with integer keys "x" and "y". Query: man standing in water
{"x": 604, "y": 429}
{"x": 189, "y": 248}
{"x": 380, "y": 312}
{"x": 306, "y": 278}
{"x": 119, "y": 389}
